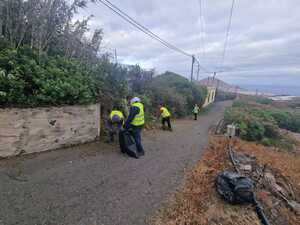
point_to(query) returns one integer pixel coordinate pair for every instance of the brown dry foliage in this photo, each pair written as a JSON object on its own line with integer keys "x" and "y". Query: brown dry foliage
{"x": 199, "y": 204}
{"x": 286, "y": 164}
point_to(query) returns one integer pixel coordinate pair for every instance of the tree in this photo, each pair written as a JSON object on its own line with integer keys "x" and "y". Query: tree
{"x": 46, "y": 25}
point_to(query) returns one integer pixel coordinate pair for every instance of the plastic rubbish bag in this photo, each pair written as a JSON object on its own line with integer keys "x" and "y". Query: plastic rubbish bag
{"x": 127, "y": 144}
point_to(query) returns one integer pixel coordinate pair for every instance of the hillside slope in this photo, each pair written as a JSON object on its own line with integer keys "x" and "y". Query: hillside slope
{"x": 215, "y": 82}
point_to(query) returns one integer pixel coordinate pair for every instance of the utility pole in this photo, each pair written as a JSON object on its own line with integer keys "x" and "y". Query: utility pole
{"x": 192, "y": 70}
{"x": 215, "y": 74}
{"x": 198, "y": 69}
{"x": 218, "y": 84}
{"x": 116, "y": 57}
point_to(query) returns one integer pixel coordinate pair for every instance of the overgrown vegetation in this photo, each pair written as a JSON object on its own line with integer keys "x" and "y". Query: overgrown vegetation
{"x": 261, "y": 123}
{"x": 48, "y": 58}
{"x": 27, "y": 79}
{"x": 176, "y": 92}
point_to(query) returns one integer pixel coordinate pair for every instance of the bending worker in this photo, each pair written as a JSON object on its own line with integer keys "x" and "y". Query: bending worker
{"x": 196, "y": 111}
{"x": 115, "y": 123}
{"x": 165, "y": 117}
{"x": 135, "y": 122}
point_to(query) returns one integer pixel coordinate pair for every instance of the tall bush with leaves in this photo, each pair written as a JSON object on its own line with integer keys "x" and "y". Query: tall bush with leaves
{"x": 176, "y": 92}
{"x": 29, "y": 79}
{"x": 258, "y": 122}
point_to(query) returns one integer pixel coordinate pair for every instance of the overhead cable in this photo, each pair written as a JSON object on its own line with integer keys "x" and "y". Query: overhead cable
{"x": 142, "y": 28}
{"x": 227, "y": 33}
{"x": 201, "y": 17}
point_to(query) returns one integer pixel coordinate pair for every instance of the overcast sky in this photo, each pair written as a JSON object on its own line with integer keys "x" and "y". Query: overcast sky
{"x": 263, "y": 47}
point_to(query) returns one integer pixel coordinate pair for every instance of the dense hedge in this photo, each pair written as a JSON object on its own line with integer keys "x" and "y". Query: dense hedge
{"x": 176, "y": 92}
{"x": 28, "y": 79}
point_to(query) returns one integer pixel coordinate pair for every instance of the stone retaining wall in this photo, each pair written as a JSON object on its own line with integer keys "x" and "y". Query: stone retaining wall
{"x": 24, "y": 131}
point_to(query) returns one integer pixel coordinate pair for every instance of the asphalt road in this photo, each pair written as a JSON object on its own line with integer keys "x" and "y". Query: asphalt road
{"x": 94, "y": 184}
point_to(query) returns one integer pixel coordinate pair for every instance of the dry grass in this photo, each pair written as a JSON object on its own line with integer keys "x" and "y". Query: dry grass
{"x": 198, "y": 202}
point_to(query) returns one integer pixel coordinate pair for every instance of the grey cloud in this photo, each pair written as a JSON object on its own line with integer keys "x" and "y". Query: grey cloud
{"x": 264, "y": 40}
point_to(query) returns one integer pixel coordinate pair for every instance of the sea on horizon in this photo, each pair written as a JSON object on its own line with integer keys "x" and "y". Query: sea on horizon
{"x": 274, "y": 89}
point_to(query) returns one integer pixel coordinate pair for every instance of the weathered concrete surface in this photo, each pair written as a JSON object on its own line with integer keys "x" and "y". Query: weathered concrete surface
{"x": 95, "y": 184}
{"x": 41, "y": 129}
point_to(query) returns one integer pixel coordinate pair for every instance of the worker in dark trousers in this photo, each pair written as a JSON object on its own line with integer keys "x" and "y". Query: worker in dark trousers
{"x": 196, "y": 111}
{"x": 114, "y": 123}
{"x": 135, "y": 123}
{"x": 165, "y": 117}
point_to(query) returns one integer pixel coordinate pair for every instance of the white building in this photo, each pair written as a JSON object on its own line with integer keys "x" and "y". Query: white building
{"x": 210, "y": 98}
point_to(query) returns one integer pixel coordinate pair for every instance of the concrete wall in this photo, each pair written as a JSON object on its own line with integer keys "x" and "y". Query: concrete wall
{"x": 24, "y": 131}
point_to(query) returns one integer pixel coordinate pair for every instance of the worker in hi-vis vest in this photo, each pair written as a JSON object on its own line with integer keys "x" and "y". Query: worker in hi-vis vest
{"x": 114, "y": 123}
{"x": 196, "y": 111}
{"x": 135, "y": 122}
{"x": 165, "y": 117}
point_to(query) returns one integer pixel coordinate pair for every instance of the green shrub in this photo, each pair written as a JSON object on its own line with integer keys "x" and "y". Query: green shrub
{"x": 254, "y": 125}
{"x": 176, "y": 92}
{"x": 255, "y": 131}
{"x": 287, "y": 120}
{"x": 239, "y": 103}
{"x": 261, "y": 124}
{"x": 265, "y": 101}
{"x": 281, "y": 143}
{"x": 27, "y": 80}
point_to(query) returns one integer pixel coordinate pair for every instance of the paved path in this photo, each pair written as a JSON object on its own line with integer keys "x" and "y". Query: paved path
{"x": 95, "y": 185}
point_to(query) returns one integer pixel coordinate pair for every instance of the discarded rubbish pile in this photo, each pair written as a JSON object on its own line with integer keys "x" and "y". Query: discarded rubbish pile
{"x": 272, "y": 188}
{"x": 238, "y": 189}
{"x": 276, "y": 178}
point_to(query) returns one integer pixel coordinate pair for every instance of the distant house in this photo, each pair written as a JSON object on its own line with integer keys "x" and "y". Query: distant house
{"x": 210, "y": 97}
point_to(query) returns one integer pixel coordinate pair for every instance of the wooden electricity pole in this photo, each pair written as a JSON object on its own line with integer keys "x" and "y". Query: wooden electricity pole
{"x": 192, "y": 70}
{"x": 198, "y": 69}
{"x": 116, "y": 57}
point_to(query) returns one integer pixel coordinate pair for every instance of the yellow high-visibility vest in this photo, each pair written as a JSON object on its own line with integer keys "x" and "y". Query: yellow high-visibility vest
{"x": 116, "y": 113}
{"x": 139, "y": 119}
{"x": 165, "y": 112}
{"x": 196, "y": 109}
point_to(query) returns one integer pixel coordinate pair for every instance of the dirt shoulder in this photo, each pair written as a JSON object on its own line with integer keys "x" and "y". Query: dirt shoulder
{"x": 96, "y": 184}
{"x": 198, "y": 202}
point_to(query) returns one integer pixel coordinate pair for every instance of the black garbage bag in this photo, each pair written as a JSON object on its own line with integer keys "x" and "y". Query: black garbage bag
{"x": 235, "y": 188}
{"x": 238, "y": 189}
{"x": 127, "y": 144}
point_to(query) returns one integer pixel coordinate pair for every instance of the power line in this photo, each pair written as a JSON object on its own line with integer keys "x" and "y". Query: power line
{"x": 202, "y": 26}
{"x": 227, "y": 33}
{"x": 203, "y": 68}
{"x": 226, "y": 40}
{"x": 149, "y": 31}
{"x": 146, "y": 31}
{"x": 142, "y": 28}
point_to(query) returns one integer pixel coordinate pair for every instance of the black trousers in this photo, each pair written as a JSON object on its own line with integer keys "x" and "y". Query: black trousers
{"x": 195, "y": 115}
{"x": 166, "y": 120}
